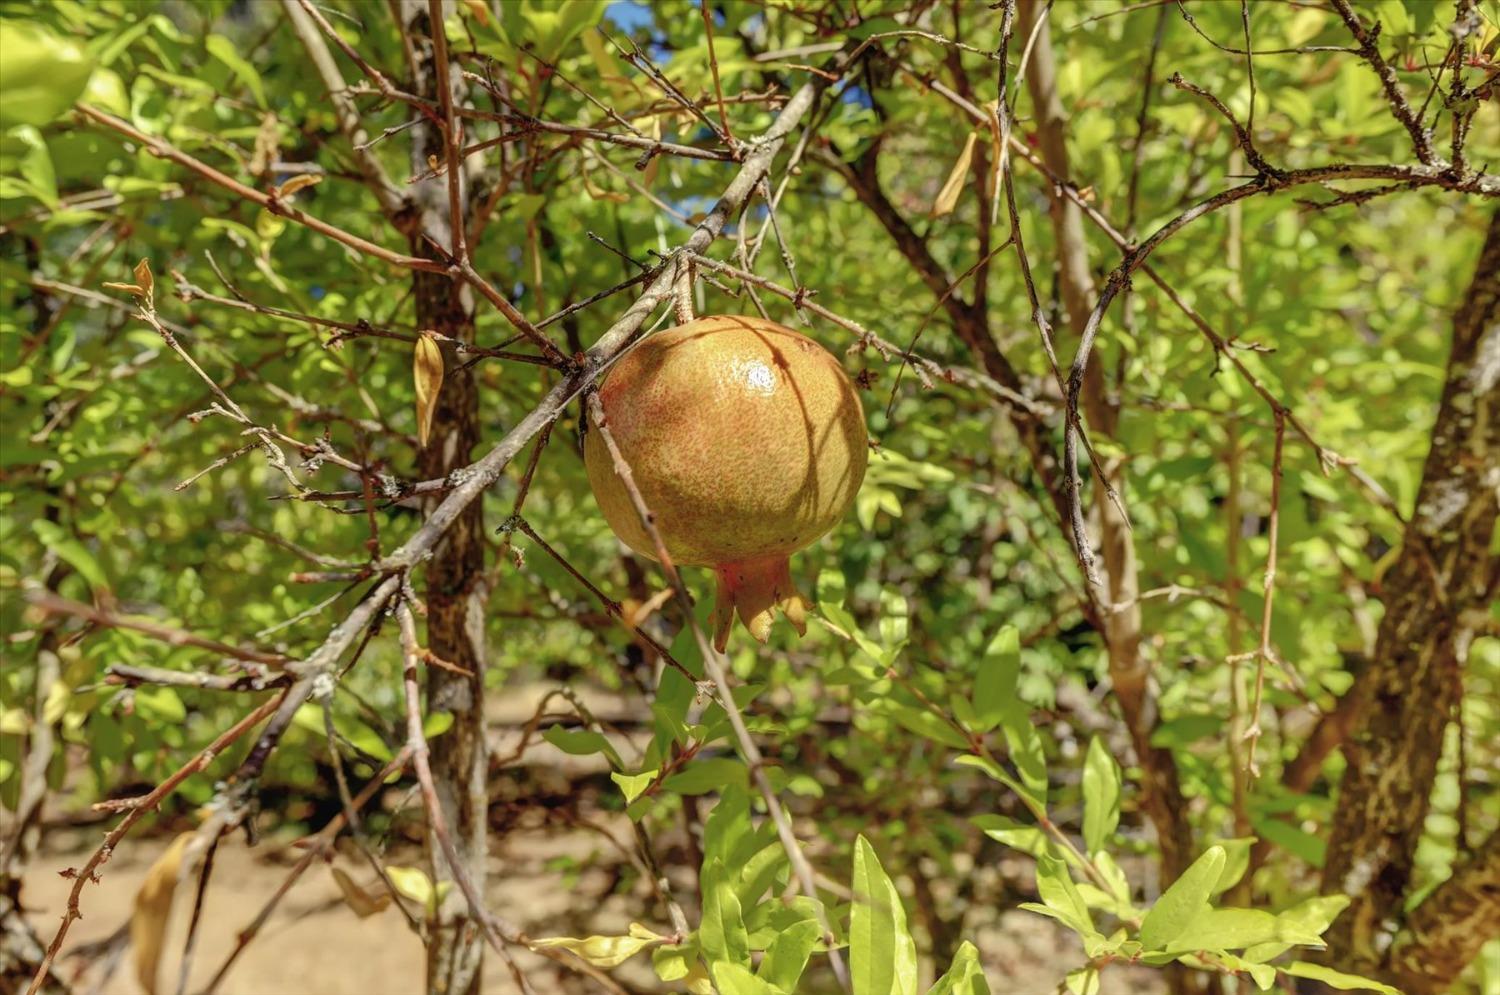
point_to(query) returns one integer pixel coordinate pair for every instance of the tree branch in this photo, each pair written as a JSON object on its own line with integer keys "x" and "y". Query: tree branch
{"x": 1446, "y": 931}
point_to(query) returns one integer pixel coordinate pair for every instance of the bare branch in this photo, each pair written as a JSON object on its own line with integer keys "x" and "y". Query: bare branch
{"x": 1369, "y": 49}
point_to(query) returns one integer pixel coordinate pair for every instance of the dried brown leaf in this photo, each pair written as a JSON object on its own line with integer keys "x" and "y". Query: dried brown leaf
{"x": 947, "y": 197}
{"x": 364, "y": 903}
{"x": 145, "y": 281}
{"x": 153, "y": 910}
{"x": 427, "y": 375}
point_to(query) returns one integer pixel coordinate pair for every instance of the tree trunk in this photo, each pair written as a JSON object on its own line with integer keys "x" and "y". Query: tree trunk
{"x": 455, "y": 592}
{"x": 1442, "y": 580}
{"x": 1446, "y": 931}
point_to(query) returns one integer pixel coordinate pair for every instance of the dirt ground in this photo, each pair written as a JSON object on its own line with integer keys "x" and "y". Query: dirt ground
{"x": 315, "y": 945}
{"x": 543, "y": 878}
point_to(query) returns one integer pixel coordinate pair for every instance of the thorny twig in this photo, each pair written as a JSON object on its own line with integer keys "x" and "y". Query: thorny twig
{"x": 1264, "y": 653}
{"x": 89, "y": 871}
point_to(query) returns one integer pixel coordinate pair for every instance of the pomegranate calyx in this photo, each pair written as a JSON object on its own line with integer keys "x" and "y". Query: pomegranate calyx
{"x": 756, "y": 590}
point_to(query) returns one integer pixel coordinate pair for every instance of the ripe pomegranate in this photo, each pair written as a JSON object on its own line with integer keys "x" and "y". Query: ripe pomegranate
{"x": 747, "y": 442}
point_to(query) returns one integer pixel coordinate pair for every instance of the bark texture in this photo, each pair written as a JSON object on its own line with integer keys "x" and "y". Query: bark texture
{"x": 455, "y": 592}
{"x": 1441, "y": 582}
{"x": 1445, "y": 932}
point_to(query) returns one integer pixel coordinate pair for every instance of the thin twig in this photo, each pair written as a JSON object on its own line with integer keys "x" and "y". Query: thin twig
{"x": 713, "y": 65}
{"x": 1369, "y": 50}
{"x": 312, "y": 850}
{"x": 1264, "y": 653}
{"x": 89, "y": 871}
{"x": 713, "y": 665}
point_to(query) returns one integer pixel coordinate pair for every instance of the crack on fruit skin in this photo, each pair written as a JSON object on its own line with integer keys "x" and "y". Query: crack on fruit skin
{"x": 736, "y": 475}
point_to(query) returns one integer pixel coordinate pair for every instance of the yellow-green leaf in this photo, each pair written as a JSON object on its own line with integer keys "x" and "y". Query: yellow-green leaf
{"x": 413, "y": 883}
{"x": 153, "y": 910}
{"x": 947, "y": 197}
{"x": 427, "y": 374}
{"x": 41, "y": 74}
{"x": 604, "y": 951}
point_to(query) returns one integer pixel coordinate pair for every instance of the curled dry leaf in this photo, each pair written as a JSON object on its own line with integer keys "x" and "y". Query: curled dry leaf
{"x": 300, "y": 182}
{"x": 153, "y": 910}
{"x": 364, "y": 902}
{"x": 427, "y": 375}
{"x": 144, "y": 279}
{"x": 605, "y": 951}
{"x": 947, "y": 197}
{"x": 143, "y": 287}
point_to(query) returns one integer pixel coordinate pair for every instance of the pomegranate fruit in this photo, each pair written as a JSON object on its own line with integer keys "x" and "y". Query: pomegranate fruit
{"x": 747, "y": 442}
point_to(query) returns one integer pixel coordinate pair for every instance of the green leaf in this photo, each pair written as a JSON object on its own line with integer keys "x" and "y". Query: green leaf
{"x": 1236, "y": 862}
{"x": 882, "y": 954}
{"x": 1026, "y": 752}
{"x": 1101, "y": 795}
{"x": 722, "y": 929}
{"x": 673, "y": 963}
{"x": 1309, "y": 919}
{"x": 727, "y": 828}
{"x": 922, "y": 722}
{"x": 786, "y": 957}
{"x": 580, "y": 742}
{"x": 73, "y": 552}
{"x": 1185, "y": 901}
{"x": 525, "y": 206}
{"x": 228, "y": 53}
{"x": 160, "y": 704}
{"x": 1264, "y": 975}
{"x": 633, "y": 784}
{"x": 1227, "y": 929}
{"x": 1084, "y": 981}
{"x": 995, "y": 683}
{"x": 1055, "y": 886}
{"x": 711, "y": 774}
{"x": 41, "y": 74}
{"x": 1307, "y": 846}
{"x": 24, "y": 152}
{"x": 769, "y": 920}
{"x": 997, "y": 772}
{"x": 760, "y": 870}
{"x": 736, "y": 979}
{"x": 1336, "y": 979}
{"x": 1018, "y": 835}
{"x": 575, "y": 17}
{"x": 965, "y": 976}
{"x": 105, "y": 89}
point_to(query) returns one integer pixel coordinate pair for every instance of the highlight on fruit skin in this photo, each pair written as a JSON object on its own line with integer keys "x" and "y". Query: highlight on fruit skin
{"x": 747, "y": 442}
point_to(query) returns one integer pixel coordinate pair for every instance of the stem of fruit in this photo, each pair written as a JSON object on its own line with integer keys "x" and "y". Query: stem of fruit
{"x": 713, "y": 666}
